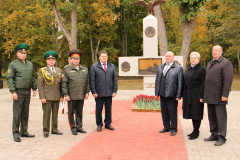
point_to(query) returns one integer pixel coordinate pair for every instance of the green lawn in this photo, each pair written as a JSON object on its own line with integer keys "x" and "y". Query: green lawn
{"x": 131, "y": 83}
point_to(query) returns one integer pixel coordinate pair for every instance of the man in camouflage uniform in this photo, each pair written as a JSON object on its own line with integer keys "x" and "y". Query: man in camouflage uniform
{"x": 20, "y": 80}
{"x": 49, "y": 88}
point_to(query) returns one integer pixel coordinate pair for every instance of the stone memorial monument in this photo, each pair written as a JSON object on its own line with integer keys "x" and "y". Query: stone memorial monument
{"x": 147, "y": 64}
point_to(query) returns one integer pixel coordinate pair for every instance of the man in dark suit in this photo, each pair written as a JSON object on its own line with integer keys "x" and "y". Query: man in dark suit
{"x": 169, "y": 86}
{"x": 104, "y": 86}
{"x": 218, "y": 81}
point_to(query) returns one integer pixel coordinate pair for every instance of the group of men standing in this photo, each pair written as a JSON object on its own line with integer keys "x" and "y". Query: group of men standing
{"x": 55, "y": 84}
{"x": 169, "y": 86}
{"x": 74, "y": 83}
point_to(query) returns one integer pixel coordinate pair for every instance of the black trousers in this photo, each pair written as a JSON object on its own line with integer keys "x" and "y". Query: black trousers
{"x": 78, "y": 106}
{"x": 108, "y": 110}
{"x": 169, "y": 113}
{"x": 217, "y": 116}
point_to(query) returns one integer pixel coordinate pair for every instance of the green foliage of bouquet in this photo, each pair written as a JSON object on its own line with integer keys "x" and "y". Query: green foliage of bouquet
{"x": 146, "y": 102}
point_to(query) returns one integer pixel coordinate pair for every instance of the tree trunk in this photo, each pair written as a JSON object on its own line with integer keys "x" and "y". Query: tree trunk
{"x": 91, "y": 43}
{"x": 123, "y": 33}
{"x": 98, "y": 43}
{"x": 56, "y": 37}
{"x": 126, "y": 33}
{"x": 238, "y": 54}
{"x": 214, "y": 41}
{"x": 73, "y": 39}
{"x": 162, "y": 33}
{"x": 187, "y": 30}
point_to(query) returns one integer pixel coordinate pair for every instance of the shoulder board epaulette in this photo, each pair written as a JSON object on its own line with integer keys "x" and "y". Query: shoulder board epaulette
{"x": 66, "y": 66}
{"x": 13, "y": 61}
{"x": 42, "y": 68}
{"x": 83, "y": 66}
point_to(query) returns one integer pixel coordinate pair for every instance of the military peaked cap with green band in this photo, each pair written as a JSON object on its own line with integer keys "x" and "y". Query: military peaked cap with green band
{"x": 50, "y": 55}
{"x": 23, "y": 47}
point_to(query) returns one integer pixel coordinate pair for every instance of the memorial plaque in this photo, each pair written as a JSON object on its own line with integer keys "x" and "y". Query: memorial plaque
{"x": 150, "y": 31}
{"x": 149, "y": 66}
{"x": 125, "y": 66}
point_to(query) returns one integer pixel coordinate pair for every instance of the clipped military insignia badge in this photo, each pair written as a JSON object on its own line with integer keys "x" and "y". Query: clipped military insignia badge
{"x": 59, "y": 76}
{"x": 9, "y": 71}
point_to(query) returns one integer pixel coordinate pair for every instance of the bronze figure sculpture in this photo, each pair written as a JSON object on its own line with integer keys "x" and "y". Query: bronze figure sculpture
{"x": 149, "y": 6}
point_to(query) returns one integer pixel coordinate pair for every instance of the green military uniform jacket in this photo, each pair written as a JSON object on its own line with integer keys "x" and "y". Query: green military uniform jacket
{"x": 21, "y": 75}
{"x": 75, "y": 84}
{"x": 46, "y": 88}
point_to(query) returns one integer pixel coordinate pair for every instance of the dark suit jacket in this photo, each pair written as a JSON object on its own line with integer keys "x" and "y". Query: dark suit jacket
{"x": 218, "y": 81}
{"x": 174, "y": 81}
{"x": 101, "y": 82}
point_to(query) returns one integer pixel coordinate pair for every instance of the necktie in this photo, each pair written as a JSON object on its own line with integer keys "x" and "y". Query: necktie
{"x": 53, "y": 70}
{"x": 105, "y": 69}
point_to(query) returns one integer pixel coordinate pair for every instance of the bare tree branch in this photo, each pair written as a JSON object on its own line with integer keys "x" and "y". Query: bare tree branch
{"x": 59, "y": 21}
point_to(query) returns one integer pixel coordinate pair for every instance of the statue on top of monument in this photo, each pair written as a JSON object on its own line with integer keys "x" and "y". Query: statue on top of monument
{"x": 149, "y": 6}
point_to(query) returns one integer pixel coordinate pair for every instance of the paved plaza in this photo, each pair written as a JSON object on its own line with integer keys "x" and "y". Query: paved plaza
{"x": 136, "y": 135}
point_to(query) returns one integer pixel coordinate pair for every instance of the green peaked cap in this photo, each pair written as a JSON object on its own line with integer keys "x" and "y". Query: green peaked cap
{"x": 21, "y": 47}
{"x": 50, "y": 54}
{"x": 67, "y": 55}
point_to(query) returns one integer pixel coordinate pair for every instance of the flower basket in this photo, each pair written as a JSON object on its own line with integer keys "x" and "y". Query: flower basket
{"x": 145, "y": 103}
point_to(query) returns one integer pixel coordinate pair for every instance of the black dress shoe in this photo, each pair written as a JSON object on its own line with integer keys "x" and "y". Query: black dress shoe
{"x": 45, "y": 135}
{"x": 173, "y": 133}
{"x": 221, "y": 140}
{"x": 81, "y": 131}
{"x": 194, "y": 135}
{"x": 190, "y": 134}
{"x": 213, "y": 137}
{"x": 28, "y": 135}
{"x": 17, "y": 139}
{"x": 74, "y": 132}
{"x": 164, "y": 130}
{"x": 99, "y": 128}
{"x": 58, "y": 133}
{"x": 109, "y": 127}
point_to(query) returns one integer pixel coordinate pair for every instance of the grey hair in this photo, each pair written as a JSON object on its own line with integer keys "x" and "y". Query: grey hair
{"x": 195, "y": 53}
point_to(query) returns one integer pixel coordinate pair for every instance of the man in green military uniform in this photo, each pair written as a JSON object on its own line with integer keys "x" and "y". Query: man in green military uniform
{"x": 75, "y": 88}
{"x": 69, "y": 60}
{"x": 49, "y": 89}
{"x": 20, "y": 80}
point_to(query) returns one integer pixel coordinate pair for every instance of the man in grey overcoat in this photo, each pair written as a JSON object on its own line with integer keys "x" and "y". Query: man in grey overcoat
{"x": 218, "y": 81}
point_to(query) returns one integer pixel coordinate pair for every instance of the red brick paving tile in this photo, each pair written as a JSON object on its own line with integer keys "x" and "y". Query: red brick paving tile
{"x": 136, "y": 137}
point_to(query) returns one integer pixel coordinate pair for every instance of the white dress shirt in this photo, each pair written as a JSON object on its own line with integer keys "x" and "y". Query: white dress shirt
{"x": 103, "y": 65}
{"x": 166, "y": 68}
{"x": 52, "y": 69}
